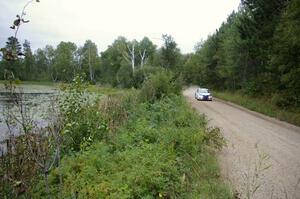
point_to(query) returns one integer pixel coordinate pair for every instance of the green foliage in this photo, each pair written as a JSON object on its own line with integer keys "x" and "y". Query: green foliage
{"x": 145, "y": 46}
{"x": 256, "y": 51}
{"x": 89, "y": 59}
{"x": 141, "y": 75}
{"x": 12, "y": 65}
{"x": 17, "y": 168}
{"x": 285, "y": 57}
{"x": 115, "y": 109}
{"x": 160, "y": 85}
{"x": 81, "y": 118}
{"x": 170, "y": 54}
{"x": 112, "y": 59}
{"x": 41, "y": 65}
{"x": 28, "y": 69}
{"x": 124, "y": 76}
{"x": 116, "y": 66}
{"x": 162, "y": 151}
{"x": 268, "y": 105}
{"x": 64, "y": 62}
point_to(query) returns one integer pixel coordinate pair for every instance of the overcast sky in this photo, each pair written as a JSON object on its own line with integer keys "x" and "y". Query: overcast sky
{"x": 102, "y": 21}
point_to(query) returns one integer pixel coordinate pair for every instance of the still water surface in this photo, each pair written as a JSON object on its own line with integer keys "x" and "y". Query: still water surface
{"x": 38, "y": 99}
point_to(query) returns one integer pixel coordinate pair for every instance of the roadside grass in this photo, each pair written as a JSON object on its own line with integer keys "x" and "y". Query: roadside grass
{"x": 148, "y": 150}
{"x": 262, "y": 105}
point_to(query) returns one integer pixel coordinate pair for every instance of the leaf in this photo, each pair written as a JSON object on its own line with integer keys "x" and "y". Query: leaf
{"x": 17, "y": 22}
{"x": 25, "y": 21}
{"x": 21, "y": 54}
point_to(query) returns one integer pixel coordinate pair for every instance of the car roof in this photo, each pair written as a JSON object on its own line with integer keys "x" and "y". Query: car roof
{"x": 203, "y": 89}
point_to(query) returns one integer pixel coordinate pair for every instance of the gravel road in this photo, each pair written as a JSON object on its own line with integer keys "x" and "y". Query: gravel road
{"x": 262, "y": 156}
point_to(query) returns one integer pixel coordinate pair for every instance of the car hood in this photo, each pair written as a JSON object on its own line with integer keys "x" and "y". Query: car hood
{"x": 204, "y": 94}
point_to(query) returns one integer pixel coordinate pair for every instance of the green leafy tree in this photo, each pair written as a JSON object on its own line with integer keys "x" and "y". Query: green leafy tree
{"x": 64, "y": 61}
{"x": 146, "y": 50}
{"x": 50, "y": 55}
{"x": 41, "y": 64}
{"x": 111, "y": 61}
{"x": 89, "y": 59}
{"x": 29, "y": 72}
{"x": 170, "y": 54}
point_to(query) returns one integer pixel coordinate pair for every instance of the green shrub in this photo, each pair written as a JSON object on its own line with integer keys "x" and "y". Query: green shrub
{"x": 160, "y": 85}
{"x": 81, "y": 119}
{"x": 141, "y": 75}
{"x": 124, "y": 76}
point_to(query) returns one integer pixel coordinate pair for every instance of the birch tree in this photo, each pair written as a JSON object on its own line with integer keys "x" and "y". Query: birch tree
{"x": 89, "y": 53}
{"x": 131, "y": 54}
{"x": 146, "y": 50}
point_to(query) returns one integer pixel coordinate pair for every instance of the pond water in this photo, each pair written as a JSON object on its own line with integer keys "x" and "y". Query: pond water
{"x": 38, "y": 100}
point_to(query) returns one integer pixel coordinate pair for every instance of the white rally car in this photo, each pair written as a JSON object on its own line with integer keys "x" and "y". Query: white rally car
{"x": 203, "y": 94}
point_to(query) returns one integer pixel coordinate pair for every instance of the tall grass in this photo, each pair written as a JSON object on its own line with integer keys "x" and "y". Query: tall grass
{"x": 262, "y": 105}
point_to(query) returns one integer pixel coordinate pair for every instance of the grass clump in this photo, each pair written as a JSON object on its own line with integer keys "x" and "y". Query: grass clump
{"x": 263, "y": 104}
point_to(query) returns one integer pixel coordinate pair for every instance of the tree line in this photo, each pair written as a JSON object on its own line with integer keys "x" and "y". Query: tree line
{"x": 121, "y": 63}
{"x": 256, "y": 51}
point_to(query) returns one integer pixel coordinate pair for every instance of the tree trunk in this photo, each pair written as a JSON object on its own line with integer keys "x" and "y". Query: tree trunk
{"x": 90, "y": 66}
{"x": 143, "y": 56}
{"x": 132, "y": 57}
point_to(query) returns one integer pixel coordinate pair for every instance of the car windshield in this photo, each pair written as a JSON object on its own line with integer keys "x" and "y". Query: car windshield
{"x": 203, "y": 90}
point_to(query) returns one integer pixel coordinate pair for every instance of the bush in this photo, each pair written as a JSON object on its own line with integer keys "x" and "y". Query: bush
{"x": 124, "y": 76}
{"x": 160, "y": 85}
{"x": 286, "y": 100}
{"x": 141, "y": 75}
{"x": 81, "y": 119}
{"x": 253, "y": 88}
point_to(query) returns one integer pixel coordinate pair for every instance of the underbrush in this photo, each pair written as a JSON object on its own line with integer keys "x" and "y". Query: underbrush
{"x": 144, "y": 143}
{"x": 159, "y": 150}
{"x": 263, "y": 105}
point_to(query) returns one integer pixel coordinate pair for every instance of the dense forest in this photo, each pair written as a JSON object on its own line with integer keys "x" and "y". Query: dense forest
{"x": 256, "y": 51}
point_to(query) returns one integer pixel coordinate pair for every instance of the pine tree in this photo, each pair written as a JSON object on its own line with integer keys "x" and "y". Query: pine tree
{"x": 285, "y": 58}
{"x": 13, "y": 66}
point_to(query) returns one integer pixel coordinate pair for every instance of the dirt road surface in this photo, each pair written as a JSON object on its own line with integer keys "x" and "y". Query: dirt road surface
{"x": 262, "y": 156}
